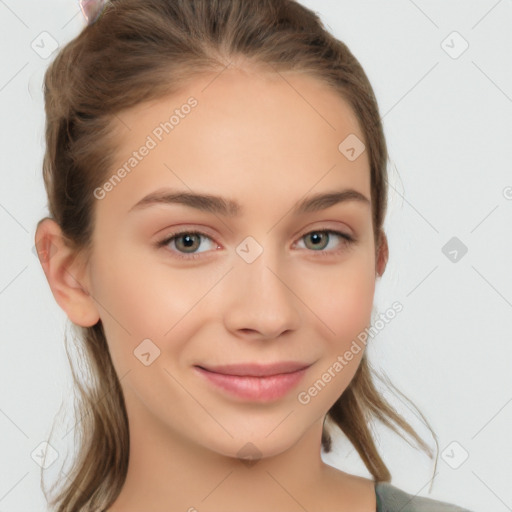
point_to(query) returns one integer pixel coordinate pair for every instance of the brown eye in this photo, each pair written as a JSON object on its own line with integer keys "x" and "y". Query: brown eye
{"x": 186, "y": 243}
{"x": 318, "y": 240}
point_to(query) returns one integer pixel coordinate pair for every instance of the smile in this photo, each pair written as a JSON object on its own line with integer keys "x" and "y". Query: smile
{"x": 255, "y": 382}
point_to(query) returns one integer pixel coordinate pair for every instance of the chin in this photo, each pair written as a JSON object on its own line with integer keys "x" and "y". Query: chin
{"x": 252, "y": 448}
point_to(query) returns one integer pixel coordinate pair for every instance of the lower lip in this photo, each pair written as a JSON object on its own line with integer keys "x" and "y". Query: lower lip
{"x": 262, "y": 389}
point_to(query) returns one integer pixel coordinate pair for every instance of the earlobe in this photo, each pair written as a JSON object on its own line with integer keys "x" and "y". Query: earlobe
{"x": 382, "y": 255}
{"x": 66, "y": 273}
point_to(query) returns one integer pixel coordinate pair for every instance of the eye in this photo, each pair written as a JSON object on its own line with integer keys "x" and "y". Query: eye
{"x": 189, "y": 241}
{"x": 321, "y": 238}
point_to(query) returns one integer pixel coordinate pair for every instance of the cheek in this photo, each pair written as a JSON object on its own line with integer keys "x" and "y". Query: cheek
{"x": 139, "y": 301}
{"x": 342, "y": 298}
{"x": 344, "y": 311}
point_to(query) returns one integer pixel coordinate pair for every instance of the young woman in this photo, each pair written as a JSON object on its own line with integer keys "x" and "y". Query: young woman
{"x": 216, "y": 177}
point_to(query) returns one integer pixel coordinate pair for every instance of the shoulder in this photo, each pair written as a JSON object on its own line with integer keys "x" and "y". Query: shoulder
{"x": 393, "y": 499}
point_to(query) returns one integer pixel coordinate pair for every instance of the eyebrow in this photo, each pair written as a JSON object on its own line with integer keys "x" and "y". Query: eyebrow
{"x": 231, "y": 208}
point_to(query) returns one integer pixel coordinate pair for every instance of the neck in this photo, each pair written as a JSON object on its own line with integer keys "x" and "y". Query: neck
{"x": 167, "y": 471}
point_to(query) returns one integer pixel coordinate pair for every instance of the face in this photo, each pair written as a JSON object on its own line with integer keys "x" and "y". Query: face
{"x": 252, "y": 278}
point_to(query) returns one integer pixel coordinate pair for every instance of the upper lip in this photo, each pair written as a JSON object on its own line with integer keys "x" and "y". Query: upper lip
{"x": 257, "y": 370}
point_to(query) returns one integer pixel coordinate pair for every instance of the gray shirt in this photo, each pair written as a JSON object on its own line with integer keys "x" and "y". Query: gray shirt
{"x": 392, "y": 499}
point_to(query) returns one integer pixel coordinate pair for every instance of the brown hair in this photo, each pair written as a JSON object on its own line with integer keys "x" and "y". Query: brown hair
{"x": 144, "y": 50}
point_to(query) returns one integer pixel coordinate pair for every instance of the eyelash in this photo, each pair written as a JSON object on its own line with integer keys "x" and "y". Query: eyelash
{"x": 347, "y": 240}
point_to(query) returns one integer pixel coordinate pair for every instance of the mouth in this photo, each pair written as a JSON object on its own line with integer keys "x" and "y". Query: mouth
{"x": 257, "y": 370}
{"x": 255, "y": 382}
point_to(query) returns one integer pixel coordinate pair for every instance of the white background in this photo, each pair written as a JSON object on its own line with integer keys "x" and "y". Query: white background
{"x": 448, "y": 123}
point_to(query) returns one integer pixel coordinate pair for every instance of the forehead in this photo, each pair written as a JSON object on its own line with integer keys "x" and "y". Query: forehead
{"x": 250, "y": 132}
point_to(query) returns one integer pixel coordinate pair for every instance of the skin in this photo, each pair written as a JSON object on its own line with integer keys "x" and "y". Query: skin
{"x": 255, "y": 139}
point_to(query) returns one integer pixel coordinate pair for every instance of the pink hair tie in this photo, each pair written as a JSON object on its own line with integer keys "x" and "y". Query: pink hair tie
{"x": 91, "y": 9}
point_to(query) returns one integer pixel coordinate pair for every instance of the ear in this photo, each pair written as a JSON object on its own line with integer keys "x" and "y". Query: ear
{"x": 382, "y": 255}
{"x": 66, "y": 273}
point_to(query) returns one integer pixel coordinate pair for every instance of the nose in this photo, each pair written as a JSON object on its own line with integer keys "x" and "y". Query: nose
{"x": 263, "y": 303}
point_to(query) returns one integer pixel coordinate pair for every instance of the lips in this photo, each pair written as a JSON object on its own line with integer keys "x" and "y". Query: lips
{"x": 254, "y": 382}
{"x": 256, "y": 370}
